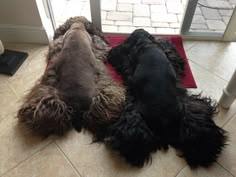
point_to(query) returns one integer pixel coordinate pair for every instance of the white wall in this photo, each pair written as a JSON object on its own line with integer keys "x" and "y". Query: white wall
{"x": 20, "y": 22}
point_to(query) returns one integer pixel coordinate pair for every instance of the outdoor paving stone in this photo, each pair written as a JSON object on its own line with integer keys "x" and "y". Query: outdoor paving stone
{"x": 123, "y": 16}
{"x": 226, "y": 20}
{"x": 103, "y": 14}
{"x": 160, "y": 25}
{"x": 173, "y": 1}
{"x": 108, "y": 5}
{"x": 177, "y": 30}
{"x": 198, "y": 19}
{"x": 141, "y": 21}
{"x": 198, "y": 11}
{"x": 141, "y": 10}
{"x": 158, "y": 8}
{"x": 174, "y": 7}
{"x": 148, "y": 29}
{"x": 184, "y": 2}
{"x": 153, "y": 2}
{"x": 109, "y": 28}
{"x": 126, "y": 29}
{"x": 219, "y": 4}
{"x": 198, "y": 26}
{"x": 108, "y": 22}
{"x": 162, "y": 14}
{"x": 125, "y": 7}
{"x": 180, "y": 17}
{"x": 233, "y": 1}
{"x": 130, "y": 1}
{"x": 175, "y": 25}
{"x": 201, "y": 30}
{"x": 165, "y": 31}
{"x": 123, "y": 23}
{"x": 210, "y": 14}
{"x": 215, "y": 24}
{"x": 226, "y": 12}
{"x": 160, "y": 17}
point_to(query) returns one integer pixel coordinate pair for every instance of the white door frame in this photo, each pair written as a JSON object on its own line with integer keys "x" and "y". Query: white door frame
{"x": 95, "y": 9}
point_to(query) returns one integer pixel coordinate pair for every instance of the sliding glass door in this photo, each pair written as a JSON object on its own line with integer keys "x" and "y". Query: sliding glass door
{"x": 193, "y": 19}
{"x": 209, "y": 20}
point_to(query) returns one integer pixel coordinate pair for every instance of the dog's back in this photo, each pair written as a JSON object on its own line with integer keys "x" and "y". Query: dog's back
{"x": 154, "y": 84}
{"x": 76, "y": 68}
{"x": 154, "y": 77}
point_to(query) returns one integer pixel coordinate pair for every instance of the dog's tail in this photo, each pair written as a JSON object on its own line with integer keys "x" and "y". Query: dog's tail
{"x": 44, "y": 112}
{"x": 201, "y": 140}
{"x": 131, "y": 137}
{"x": 105, "y": 108}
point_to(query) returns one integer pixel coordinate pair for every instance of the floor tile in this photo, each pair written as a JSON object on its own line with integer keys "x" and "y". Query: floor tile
{"x": 221, "y": 60}
{"x": 86, "y": 156}
{"x": 228, "y": 158}
{"x": 17, "y": 144}
{"x": 27, "y": 75}
{"x": 189, "y": 44}
{"x": 214, "y": 171}
{"x": 211, "y": 85}
{"x": 48, "y": 162}
{"x": 225, "y": 115}
{"x": 9, "y": 101}
{"x": 208, "y": 83}
{"x": 31, "y": 49}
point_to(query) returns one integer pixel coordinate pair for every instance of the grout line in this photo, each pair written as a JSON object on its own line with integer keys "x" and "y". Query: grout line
{"x": 209, "y": 71}
{"x": 181, "y": 170}
{"x": 191, "y": 46}
{"x": 72, "y": 165}
{"x": 17, "y": 95}
{"x": 21, "y": 162}
{"x": 229, "y": 120}
{"x": 224, "y": 168}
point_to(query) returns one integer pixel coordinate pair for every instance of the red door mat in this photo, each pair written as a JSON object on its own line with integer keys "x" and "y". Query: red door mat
{"x": 188, "y": 80}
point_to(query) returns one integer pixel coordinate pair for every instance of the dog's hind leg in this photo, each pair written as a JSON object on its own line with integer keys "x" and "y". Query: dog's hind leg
{"x": 201, "y": 140}
{"x": 105, "y": 108}
{"x": 131, "y": 137}
{"x": 44, "y": 112}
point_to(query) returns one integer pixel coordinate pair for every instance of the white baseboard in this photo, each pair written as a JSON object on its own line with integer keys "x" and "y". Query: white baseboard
{"x": 23, "y": 33}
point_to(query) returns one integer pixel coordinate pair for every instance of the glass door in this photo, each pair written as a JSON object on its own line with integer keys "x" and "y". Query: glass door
{"x": 61, "y": 10}
{"x": 193, "y": 19}
{"x": 209, "y": 20}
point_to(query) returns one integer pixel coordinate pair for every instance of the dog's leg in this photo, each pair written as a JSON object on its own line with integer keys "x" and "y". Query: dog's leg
{"x": 105, "y": 108}
{"x": 131, "y": 137}
{"x": 201, "y": 140}
{"x": 44, "y": 112}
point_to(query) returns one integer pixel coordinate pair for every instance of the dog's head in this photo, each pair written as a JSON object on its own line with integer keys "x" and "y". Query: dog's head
{"x": 77, "y": 29}
{"x": 123, "y": 57}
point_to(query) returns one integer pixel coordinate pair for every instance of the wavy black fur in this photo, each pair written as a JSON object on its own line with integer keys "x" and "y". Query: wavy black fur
{"x": 158, "y": 110}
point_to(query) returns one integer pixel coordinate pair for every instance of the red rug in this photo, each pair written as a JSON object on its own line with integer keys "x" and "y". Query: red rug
{"x": 188, "y": 81}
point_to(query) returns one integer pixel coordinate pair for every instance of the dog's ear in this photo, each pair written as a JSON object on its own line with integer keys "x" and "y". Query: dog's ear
{"x": 119, "y": 58}
{"x": 131, "y": 137}
{"x": 44, "y": 113}
{"x": 201, "y": 140}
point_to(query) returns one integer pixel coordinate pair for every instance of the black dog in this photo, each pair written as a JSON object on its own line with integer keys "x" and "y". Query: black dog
{"x": 158, "y": 111}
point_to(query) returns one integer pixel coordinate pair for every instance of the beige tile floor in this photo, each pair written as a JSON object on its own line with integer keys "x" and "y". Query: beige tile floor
{"x": 22, "y": 155}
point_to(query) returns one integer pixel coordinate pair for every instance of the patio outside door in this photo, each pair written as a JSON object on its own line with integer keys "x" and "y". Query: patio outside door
{"x": 193, "y": 19}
